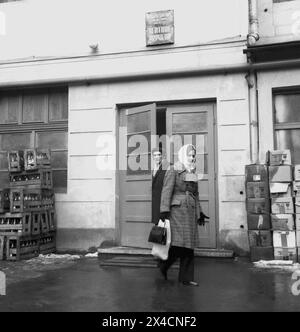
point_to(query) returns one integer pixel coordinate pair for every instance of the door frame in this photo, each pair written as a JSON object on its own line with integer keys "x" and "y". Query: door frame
{"x": 165, "y": 104}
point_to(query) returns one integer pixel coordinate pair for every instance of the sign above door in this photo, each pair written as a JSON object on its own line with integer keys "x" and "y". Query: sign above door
{"x": 160, "y": 28}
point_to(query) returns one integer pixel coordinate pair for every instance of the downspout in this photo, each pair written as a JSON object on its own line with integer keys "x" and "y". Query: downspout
{"x": 251, "y": 78}
{"x": 253, "y": 35}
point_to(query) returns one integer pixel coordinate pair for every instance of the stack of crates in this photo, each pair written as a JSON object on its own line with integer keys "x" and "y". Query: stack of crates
{"x": 258, "y": 212}
{"x": 296, "y": 186}
{"x": 282, "y": 205}
{"x": 29, "y": 228}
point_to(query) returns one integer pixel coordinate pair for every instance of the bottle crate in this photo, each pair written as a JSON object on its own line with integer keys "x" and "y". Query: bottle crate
{"x": 48, "y": 243}
{"x": 27, "y": 200}
{"x": 21, "y": 247}
{"x": 43, "y": 158}
{"x": 2, "y": 247}
{"x": 52, "y": 219}
{"x": 41, "y": 178}
{"x": 35, "y": 223}
{"x": 4, "y": 200}
{"x": 44, "y": 222}
{"x": 15, "y": 161}
{"x": 37, "y": 158}
{"x": 19, "y": 223}
{"x": 16, "y": 200}
{"x": 30, "y": 160}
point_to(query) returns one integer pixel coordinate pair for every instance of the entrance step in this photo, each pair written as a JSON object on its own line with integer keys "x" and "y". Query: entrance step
{"x": 217, "y": 253}
{"x": 132, "y": 261}
{"x": 140, "y": 257}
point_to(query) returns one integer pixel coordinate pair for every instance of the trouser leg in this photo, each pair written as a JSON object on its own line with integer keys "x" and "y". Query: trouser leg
{"x": 186, "y": 270}
{"x": 172, "y": 257}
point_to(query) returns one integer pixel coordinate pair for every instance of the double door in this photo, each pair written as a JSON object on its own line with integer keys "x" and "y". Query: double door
{"x": 173, "y": 126}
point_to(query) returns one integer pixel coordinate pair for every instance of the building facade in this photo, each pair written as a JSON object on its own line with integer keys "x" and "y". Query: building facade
{"x": 85, "y": 82}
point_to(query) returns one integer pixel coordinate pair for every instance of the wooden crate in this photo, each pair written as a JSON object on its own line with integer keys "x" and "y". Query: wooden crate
{"x": 21, "y": 247}
{"x": 52, "y": 219}
{"x": 43, "y": 158}
{"x": 258, "y": 222}
{"x": 38, "y": 199}
{"x": 2, "y": 247}
{"x": 261, "y": 253}
{"x": 44, "y": 222}
{"x": 35, "y": 223}
{"x": 30, "y": 160}
{"x": 41, "y": 178}
{"x": 28, "y": 200}
{"x": 258, "y": 206}
{"x": 15, "y": 161}
{"x": 16, "y": 200}
{"x": 4, "y": 200}
{"x": 260, "y": 238}
{"x": 48, "y": 243}
{"x": 19, "y": 223}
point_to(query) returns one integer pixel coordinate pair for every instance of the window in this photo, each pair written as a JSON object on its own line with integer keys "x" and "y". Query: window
{"x": 287, "y": 123}
{"x": 35, "y": 118}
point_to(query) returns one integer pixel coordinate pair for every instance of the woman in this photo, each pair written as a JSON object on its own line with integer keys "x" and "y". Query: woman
{"x": 180, "y": 203}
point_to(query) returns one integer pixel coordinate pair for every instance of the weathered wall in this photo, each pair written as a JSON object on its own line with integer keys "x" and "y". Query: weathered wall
{"x": 93, "y": 195}
{"x": 35, "y": 28}
{"x": 279, "y": 20}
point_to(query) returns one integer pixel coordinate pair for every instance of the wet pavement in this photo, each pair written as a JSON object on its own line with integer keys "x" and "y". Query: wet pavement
{"x": 82, "y": 285}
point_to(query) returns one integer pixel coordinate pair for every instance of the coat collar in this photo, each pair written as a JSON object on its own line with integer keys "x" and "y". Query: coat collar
{"x": 179, "y": 167}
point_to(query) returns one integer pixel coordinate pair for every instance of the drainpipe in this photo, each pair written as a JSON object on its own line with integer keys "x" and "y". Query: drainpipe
{"x": 253, "y": 35}
{"x": 251, "y": 78}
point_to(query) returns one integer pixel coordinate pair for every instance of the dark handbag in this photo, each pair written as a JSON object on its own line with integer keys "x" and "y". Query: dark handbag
{"x": 158, "y": 235}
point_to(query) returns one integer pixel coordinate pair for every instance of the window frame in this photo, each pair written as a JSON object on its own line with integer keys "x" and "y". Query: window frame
{"x": 286, "y": 125}
{"x": 34, "y": 127}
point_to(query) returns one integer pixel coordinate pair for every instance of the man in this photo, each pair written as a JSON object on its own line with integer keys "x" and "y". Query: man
{"x": 158, "y": 175}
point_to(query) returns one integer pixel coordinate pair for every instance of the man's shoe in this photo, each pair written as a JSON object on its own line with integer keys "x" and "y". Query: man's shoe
{"x": 190, "y": 283}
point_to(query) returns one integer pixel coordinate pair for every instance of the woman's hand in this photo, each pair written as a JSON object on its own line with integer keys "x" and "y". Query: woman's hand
{"x": 201, "y": 220}
{"x": 164, "y": 215}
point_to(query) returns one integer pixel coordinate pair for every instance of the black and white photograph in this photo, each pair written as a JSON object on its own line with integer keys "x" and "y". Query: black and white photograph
{"x": 149, "y": 159}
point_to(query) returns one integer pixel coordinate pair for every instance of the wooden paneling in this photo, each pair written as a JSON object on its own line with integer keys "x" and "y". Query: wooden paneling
{"x": 58, "y": 106}
{"x": 52, "y": 139}
{"x": 35, "y": 107}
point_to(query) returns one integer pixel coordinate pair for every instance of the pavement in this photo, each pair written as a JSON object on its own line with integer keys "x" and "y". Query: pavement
{"x": 80, "y": 284}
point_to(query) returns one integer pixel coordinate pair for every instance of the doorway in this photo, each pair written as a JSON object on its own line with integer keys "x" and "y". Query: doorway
{"x": 188, "y": 124}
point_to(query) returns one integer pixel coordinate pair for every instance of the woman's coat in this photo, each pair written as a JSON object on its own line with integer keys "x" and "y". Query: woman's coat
{"x": 184, "y": 209}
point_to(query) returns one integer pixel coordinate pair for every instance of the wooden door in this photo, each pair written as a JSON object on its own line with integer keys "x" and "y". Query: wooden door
{"x": 195, "y": 124}
{"x": 136, "y": 183}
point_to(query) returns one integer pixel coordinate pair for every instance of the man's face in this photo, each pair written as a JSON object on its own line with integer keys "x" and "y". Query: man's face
{"x": 157, "y": 157}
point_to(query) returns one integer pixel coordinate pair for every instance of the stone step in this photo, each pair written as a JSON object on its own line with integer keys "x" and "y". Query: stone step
{"x": 216, "y": 253}
{"x": 132, "y": 261}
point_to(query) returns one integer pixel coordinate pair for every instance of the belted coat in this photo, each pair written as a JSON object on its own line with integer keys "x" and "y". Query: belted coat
{"x": 184, "y": 208}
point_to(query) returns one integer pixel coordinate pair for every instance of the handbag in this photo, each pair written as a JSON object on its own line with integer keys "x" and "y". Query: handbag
{"x": 159, "y": 250}
{"x": 158, "y": 235}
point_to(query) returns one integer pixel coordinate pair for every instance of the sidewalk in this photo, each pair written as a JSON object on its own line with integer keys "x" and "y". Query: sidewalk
{"x": 82, "y": 285}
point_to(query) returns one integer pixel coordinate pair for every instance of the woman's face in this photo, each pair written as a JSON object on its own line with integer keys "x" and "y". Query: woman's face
{"x": 191, "y": 157}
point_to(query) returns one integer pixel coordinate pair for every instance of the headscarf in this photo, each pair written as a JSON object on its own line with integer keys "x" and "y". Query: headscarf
{"x": 183, "y": 157}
